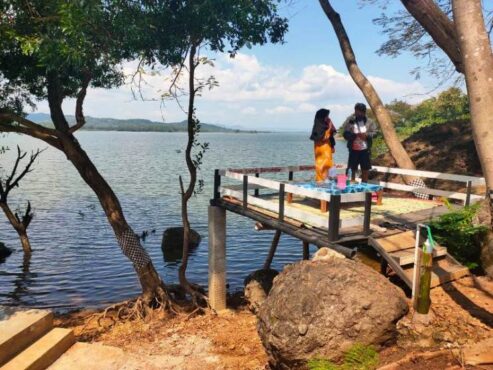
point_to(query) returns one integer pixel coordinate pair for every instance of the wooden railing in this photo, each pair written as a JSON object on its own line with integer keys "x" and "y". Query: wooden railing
{"x": 467, "y": 198}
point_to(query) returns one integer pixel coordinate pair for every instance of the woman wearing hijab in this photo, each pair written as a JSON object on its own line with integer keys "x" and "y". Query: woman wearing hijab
{"x": 324, "y": 143}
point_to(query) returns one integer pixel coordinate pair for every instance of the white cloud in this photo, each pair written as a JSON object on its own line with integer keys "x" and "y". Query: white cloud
{"x": 248, "y": 110}
{"x": 306, "y": 107}
{"x": 249, "y": 88}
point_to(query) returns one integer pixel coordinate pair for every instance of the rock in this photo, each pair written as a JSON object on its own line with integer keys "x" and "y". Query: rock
{"x": 325, "y": 253}
{"x": 4, "y": 252}
{"x": 319, "y": 309}
{"x": 257, "y": 286}
{"x": 172, "y": 244}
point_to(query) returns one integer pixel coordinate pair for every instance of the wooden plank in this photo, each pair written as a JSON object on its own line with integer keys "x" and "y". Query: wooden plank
{"x": 395, "y": 266}
{"x": 294, "y": 189}
{"x": 406, "y": 256}
{"x": 240, "y": 187}
{"x": 295, "y": 168}
{"x": 430, "y": 175}
{"x": 291, "y": 212}
{"x": 444, "y": 269}
{"x": 397, "y": 242}
{"x": 436, "y": 192}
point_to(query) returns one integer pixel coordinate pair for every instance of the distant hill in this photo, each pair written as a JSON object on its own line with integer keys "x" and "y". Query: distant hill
{"x": 135, "y": 124}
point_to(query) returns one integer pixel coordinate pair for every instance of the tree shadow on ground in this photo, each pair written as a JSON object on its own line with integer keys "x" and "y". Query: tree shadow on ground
{"x": 472, "y": 308}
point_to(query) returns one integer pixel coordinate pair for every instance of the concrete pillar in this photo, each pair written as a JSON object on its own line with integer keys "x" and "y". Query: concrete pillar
{"x": 217, "y": 258}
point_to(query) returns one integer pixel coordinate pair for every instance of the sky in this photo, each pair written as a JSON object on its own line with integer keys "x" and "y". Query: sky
{"x": 279, "y": 87}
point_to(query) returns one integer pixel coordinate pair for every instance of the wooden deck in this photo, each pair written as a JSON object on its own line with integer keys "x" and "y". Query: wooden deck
{"x": 353, "y": 218}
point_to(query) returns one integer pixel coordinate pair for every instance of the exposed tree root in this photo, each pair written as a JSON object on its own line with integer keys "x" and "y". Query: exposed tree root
{"x": 173, "y": 301}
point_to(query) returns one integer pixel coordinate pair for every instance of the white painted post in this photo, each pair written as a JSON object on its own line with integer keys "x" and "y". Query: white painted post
{"x": 217, "y": 258}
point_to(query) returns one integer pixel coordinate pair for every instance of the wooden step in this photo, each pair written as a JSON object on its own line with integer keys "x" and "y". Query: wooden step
{"x": 406, "y": 256}
{"x": 444, "y": 269}
{"x": 397, "y": 242}
{"x": 43, "y": 352}
{"x": 19, "y": 329}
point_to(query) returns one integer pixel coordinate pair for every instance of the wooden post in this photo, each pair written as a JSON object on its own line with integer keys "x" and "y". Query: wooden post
{"x": 217, "y": 258}
{"x": 272, "y": 250}
{"x": 334, "y": 212}
{"x": 379, "y": 197}
{"x": 257, "y": 191}
{"x": 383, "y": 266}
{"x": 217, "y": 184}
{"x": 306, "y": 250}
{"x": 367, "y": 215}
{"x": 281, "y": 202}
{"x": 289, "y": 197}
{"x": 245, "y": 191}
{"x": 468, "y": 193}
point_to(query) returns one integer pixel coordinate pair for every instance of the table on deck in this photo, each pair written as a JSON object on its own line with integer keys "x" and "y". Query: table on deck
{"x": 336, "y": 195}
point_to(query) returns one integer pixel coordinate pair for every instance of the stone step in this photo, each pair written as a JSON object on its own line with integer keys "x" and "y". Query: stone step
{"x": 20, "y": 328}
{"x": 43, "y": 352}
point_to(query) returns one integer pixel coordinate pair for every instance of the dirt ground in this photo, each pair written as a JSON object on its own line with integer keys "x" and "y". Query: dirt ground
{"x": 463, "y": 315}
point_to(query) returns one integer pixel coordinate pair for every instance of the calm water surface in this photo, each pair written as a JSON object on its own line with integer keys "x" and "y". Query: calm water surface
{"x": 76, "y": 261}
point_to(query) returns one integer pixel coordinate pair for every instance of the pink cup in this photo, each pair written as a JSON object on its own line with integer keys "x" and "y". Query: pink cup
{"x": 341, "y": 181}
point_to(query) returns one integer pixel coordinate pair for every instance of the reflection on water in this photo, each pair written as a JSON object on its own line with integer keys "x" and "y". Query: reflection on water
{"x": 76, "y": 260}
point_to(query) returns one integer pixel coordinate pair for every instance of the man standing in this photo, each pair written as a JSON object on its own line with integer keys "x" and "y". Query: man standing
{"x": 359, "y": 131}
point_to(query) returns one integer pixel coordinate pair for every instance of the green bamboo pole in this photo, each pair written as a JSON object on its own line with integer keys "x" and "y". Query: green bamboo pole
{"x": 424, "y": 301}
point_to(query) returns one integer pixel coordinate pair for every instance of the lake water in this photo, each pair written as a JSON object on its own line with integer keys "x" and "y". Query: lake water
{"x": 76, "y": 261}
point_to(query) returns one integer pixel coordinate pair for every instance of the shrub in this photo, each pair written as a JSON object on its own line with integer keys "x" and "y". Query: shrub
{"x": 358, "y": 357}
{"x": 456, "y": 231}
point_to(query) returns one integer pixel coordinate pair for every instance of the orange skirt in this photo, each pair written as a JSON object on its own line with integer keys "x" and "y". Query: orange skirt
{"x": 323, "y": 161}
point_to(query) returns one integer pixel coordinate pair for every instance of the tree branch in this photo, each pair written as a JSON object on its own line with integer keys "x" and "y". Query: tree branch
{"x": 439, "y": 26}
{"x": 13, "y": 181}
{"x": 29, "y": 128}
{"x": 6, "y": 117}
{"x": 79, "y": 114}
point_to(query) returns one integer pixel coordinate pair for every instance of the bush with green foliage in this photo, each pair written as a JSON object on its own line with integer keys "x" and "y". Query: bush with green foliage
{"x": 450, "y": 105}
{"x": 456, "y": 231}
{"x": 358, "y": 357}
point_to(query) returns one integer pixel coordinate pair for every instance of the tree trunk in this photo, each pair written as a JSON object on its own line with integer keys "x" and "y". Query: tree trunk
{"x": 478, "y": 65}
{"x": 192, "y": 169}
{"x": 152, "y": 285}
{"x": 382, "y": 115}
{"x": 26, "y": 245}
{"x": 18, "y": 226}
{"x": 441, "y": 29}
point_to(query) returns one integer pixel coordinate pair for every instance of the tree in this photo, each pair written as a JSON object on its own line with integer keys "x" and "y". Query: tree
{"x": 53, "y": 49}
{"x": 20, "y": 223}
{"x": 383, "y": 116}
{"x": 425, "y": 28}
{"x": 215, "y": 26}
{"x": 477, "y": 58}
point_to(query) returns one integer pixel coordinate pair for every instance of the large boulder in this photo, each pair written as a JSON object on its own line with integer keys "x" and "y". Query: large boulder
{"x": 257, "y": 286}
{"x": 172, "y": 243}
{"x": 319, "y": 309}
